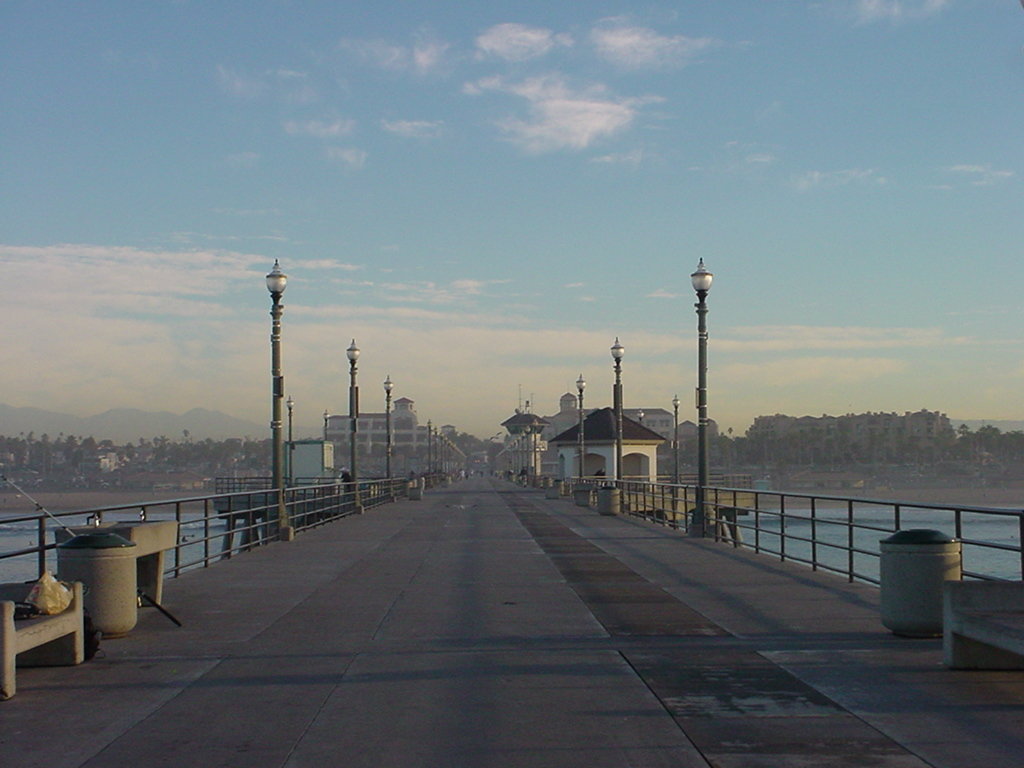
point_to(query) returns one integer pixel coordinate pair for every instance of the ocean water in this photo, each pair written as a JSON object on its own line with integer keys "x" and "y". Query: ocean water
{"x": 15, "y": 536}
{"x": 980, "y": 537}
{"x": 979, "y": 532}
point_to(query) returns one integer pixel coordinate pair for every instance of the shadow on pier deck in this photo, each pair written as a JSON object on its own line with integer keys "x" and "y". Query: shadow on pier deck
{"x": 486, "y": 625}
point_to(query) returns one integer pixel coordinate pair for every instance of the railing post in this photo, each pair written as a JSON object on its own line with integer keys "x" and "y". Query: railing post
{"x": 1020, "y": 538}
{"x": 782, "y": 528}
{"x": 850, "y": 564}
{"x": 177, "y": 544}
{"x": 814, "y": 534}
{"x": 757, "y": 522}
{"x": 41, "y": 543}
{"x": 206, "y": 533}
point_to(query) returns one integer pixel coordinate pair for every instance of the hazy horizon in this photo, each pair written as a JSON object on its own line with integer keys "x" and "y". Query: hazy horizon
{"x": 301, "y": 431}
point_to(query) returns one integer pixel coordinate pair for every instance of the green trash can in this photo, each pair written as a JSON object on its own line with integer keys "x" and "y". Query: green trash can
{"x": 914, "y": 565}
{"x": 105, "y": 564}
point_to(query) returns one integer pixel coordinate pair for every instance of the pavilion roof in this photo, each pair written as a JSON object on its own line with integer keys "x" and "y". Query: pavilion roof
{"x": 600, "y": 427}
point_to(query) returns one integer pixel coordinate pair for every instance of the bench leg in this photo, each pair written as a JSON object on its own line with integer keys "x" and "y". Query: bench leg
{"x": 8, "y": 650}
{"x": 150, "y": 574}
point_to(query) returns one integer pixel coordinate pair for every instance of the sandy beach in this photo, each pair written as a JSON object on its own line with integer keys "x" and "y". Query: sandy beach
{"x": 13, "y": 503}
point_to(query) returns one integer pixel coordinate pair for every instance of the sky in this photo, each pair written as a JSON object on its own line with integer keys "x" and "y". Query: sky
{"x": 485, "y": 195}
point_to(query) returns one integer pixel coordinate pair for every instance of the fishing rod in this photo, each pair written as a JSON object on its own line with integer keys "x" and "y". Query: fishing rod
{"x": 39, "y": 507}
{"x": 141, "y": 595}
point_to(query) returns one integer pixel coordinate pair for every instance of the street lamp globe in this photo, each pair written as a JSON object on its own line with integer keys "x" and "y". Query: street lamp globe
{"x": 581, "y": 384}
{"x": 617, "y": 350}
{"x": 701, "y": 279}
{"x": 388, "y": 386}
{"x": 276, "y": 280}
{"x": 352, "y": 352}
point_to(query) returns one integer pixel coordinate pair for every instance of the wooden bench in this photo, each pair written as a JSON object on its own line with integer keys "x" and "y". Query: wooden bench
{"x": 44, "y": 641}
{"x": 983, "y": 624}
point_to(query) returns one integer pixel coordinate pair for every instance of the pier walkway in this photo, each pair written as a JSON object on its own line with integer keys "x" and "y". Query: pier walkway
{"x": 488, "y": 626}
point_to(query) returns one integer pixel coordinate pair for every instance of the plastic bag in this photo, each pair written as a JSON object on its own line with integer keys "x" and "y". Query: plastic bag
{"x": 49, "y": 596}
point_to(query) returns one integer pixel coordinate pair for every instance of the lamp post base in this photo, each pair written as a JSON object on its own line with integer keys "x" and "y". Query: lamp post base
{"x": 286, "y": 533}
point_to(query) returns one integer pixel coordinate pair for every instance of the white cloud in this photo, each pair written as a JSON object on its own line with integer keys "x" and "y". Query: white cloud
{"x": 561, "y": 117}
{"x": 329, "y": 264}
{"x": 518, "y": 42}
{"x": 633, "y": 157}
{"x": 424, "y": 56}
{"x": 871, "y": 11}
{"x": 415, "y": 129}
{"x": 981, "y": 175}
{"x": 828, "y": 179}
{"x": 239, "y": 85}
{"x": 191, "y": 237}
{"x": 661, "y": 293}
{"x": 285, "y": 85}
{"x": 319, "y": 129}
{"x": 112, "y": 271}
{"x": 377, "y": 53}
{"x": 427, "y": 55}
{"x": 347, "y": 156}
{"x": 102, "y": 327}
{"x": 774, "y": 338}
{"x": 429, "y": 292}
{"x": 791, "y": 372}
{"x": 633, "y": 47}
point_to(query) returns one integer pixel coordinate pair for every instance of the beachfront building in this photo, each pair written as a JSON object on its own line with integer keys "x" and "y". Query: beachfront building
{"x": 639, "y": 448}
{"x": 408, "y": 437}
{"x": 854, "y": 436}
{"x": 654, "y": 418}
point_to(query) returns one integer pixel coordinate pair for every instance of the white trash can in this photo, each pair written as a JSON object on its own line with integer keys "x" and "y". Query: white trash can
{"x": 609, "y": 500}
{"x": 105, "y": 564}
{"x": 914, "y": 565}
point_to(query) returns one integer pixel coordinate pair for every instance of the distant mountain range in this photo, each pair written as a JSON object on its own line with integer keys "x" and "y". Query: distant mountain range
{"x": 124, "y": 425}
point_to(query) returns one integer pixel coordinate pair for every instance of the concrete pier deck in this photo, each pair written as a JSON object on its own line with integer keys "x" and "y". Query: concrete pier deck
{"x": 488, "y": 626}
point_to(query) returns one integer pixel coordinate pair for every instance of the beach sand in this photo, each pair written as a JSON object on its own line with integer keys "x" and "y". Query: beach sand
{"x": 13, "y": 503}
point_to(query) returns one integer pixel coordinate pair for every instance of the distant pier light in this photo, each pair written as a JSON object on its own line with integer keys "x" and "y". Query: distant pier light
{"x": 581, "y": 384}
{"x": 353, "y": 414}
{"x": 618, "y": 351}
{"x": 388, "y": 386}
